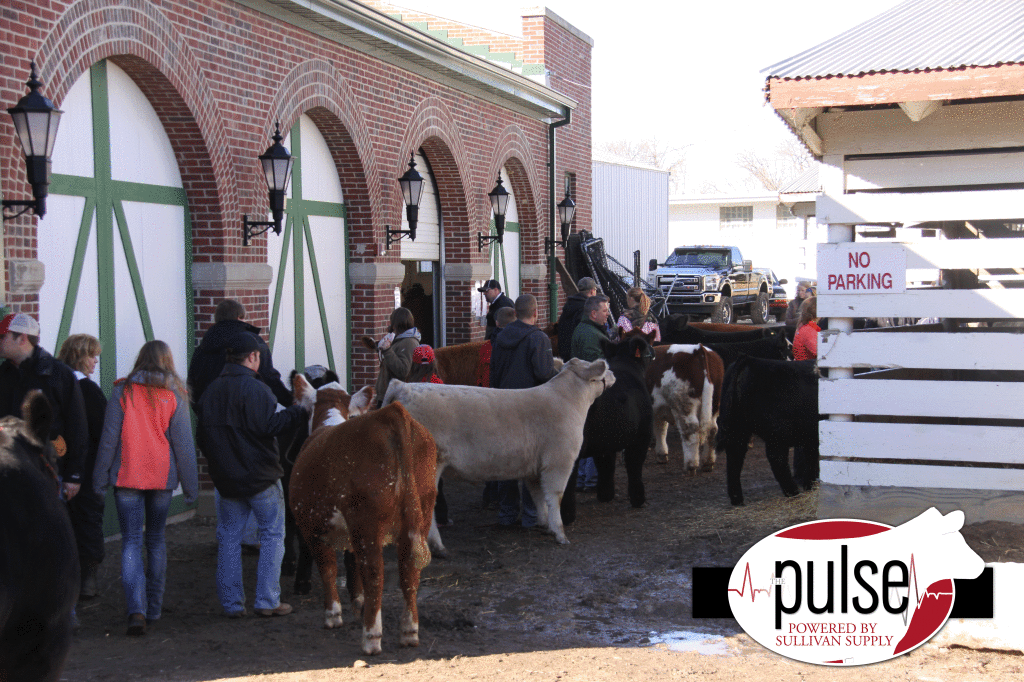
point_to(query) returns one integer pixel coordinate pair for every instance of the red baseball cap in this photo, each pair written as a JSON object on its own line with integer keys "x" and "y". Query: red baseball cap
{"x": 19, "y": 323}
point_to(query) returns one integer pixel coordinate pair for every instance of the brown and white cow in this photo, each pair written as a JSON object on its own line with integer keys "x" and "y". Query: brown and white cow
{"x": 686, "y": 386}
{"x": 360, "y": 483}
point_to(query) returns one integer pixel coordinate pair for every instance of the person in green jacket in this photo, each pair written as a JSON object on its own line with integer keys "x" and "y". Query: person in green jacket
{"x": 586, "y": 339}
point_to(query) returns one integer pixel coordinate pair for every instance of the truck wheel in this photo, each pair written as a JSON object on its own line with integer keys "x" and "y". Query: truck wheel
{"x": 759, "y": 311}
{"x": 723, "y": 313}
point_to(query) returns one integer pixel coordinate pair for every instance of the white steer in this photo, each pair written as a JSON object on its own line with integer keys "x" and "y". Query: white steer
{"x": 492, "y": 434}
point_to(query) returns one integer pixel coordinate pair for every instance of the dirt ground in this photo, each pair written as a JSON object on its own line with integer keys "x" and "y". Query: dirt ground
{"x": 514, "y": 605}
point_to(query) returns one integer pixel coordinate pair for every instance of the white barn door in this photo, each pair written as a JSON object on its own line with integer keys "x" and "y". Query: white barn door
{"x": 309, "y": 303}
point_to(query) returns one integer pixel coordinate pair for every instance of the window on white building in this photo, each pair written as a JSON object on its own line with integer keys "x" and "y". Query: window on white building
{"x": 735, "y": 216}
{"x": 784, "y": 217}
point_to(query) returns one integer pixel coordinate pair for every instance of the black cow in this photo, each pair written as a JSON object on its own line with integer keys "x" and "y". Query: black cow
{"x": 39, "y": 571}
{"x": 772, "y": 346}
{"x": 677, "y": 329}
{"x": 778, "y": 401}
{"x": 298, "y": 560}
{"x": 619, "y": 420}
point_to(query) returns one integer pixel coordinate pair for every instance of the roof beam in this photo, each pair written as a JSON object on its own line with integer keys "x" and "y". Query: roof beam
{"x": 800, "y": 121}
{"x": 918, "y": 111}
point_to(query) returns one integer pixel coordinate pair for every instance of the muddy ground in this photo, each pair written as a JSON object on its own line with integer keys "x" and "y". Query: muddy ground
{"x": 513, "y": 605}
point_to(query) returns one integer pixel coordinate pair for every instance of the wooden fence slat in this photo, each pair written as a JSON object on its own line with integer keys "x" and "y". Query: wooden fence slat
{"x": 919, "y": 476}
{"x": 970, "y": 303}
{"x": 969, "y": 443}
{"x": 951, "y": 254}
{"x": 924, "y": 350}
{"x": 970, "y": 399}
{"x": 859, "y": 209}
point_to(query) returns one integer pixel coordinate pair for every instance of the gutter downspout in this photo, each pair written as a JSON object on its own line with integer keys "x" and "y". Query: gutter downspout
{"x": 552, "y": 212}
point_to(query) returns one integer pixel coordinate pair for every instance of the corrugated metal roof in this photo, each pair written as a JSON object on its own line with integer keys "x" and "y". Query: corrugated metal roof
{"x": 917, "y": 35}
{"x": 808, "y": 182}
{"x": 601, "y": 156}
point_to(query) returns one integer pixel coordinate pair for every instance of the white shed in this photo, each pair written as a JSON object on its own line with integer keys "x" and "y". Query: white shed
{"x": 915, "y": 117}
{"x": 630, "y": 209}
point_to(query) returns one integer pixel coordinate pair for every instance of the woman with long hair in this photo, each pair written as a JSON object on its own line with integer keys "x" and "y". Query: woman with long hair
{"x": 805, "y": 342}
{"x": 145, "y": 452}
{"x": 638, "y": 315}
{"x": 81, "y": 352}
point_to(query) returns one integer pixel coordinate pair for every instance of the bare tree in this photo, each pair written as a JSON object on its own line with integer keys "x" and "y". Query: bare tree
{"x": 655, "y": 153}
{"x": 773, "y": 172}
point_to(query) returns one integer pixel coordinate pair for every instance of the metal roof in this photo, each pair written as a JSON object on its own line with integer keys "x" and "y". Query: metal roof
{"x": 807, "y": 183}
{"x": 917, "y": 35}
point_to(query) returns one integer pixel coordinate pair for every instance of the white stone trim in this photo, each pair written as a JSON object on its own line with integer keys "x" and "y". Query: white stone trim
{"x": 538, "y": 272}
{"x": 27, "y": 275}
{"x": 546, "y": 12}
{"x": 228, "y": 276}
{"x": 467, "y": 272}
{"x": 376, "y": 274}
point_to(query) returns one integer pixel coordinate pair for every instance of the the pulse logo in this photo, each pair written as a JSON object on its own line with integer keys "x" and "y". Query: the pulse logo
{"x": 848, "y": 592}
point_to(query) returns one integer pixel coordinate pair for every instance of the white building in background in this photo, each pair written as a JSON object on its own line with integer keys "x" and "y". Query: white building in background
{"x": 631, "y": 209}
{"x": 763, "y": 226}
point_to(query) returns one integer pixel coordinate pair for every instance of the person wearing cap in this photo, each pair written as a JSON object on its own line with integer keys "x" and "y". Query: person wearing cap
{"x": 208, "y": 359}
{"x": 521, "y": 358}
{"x": 496, "y": 300}
{"x": 572, "y": 313}
{"x": 28, "y": 366}
{"x": 238, "y": 425}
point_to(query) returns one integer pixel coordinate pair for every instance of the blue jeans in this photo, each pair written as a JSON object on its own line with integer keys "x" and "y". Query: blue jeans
{"x": 143, "y": 586}
{"x": 232, "y": 514}
{"x": 509, "y": 495}
{"x": 587, "y": 476}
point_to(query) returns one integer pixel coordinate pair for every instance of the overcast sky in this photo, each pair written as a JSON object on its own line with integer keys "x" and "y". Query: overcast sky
{"x": 682, "y": 71}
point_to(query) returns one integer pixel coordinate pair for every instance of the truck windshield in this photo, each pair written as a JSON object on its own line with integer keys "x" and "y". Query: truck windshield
{"x": 698, "y": 258}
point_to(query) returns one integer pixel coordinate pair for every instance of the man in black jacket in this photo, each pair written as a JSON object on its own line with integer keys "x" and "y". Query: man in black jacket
{"x": 572, "y": 313}
{"x": 238, "y": 422}
{"x": 496, "y": 300}
{"x": 521, "y": 359}
{"x": 28, "y": 366}
{"x": 208, "y": 360}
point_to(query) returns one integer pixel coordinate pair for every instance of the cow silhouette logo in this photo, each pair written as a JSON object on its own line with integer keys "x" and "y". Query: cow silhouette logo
{"x": 846, "y": 592}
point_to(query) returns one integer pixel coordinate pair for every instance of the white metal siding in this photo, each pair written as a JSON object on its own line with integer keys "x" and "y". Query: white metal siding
{"x": 631, "y": 212}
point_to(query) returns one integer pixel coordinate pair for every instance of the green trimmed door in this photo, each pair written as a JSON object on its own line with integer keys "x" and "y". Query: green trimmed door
{"x": 505, "y": 256}
{"x": 309, "y": 313}
{"x": 116, "y": 240}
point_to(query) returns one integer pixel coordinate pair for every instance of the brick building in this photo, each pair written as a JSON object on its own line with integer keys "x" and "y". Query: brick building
{"x": 167, "y": 105}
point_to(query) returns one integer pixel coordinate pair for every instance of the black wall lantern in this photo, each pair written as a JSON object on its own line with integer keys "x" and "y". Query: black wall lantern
{"x": 36, "y": 121}
{"x": 499, "y": 204}
{"x": 277, "y": 169}
{"x": 411, "y": 183}
{"x": 566, "y": 211}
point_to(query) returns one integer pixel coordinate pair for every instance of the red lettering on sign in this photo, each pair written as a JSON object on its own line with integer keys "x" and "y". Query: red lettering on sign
{"x": 859, "y": 260}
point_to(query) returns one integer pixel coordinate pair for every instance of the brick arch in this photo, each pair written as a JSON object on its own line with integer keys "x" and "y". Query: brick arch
{"x": 317, "y": 89}
{"x": 513, "y": 153}
{"x": 432, "y": 128}
{"x": 140, "y": 39}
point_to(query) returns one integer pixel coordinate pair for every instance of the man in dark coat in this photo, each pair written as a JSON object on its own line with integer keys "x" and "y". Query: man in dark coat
{"x": 208, "y": 360}
{"x": 496, "y": 301}
{"x": 28, "y": 366}
{"x": 521, "y": 359}
{"x": 572, "y": 313}
{"x": 238, "y": 422}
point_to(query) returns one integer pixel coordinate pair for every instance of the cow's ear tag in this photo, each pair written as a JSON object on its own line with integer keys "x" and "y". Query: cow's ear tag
{"x": 638, "y": 352}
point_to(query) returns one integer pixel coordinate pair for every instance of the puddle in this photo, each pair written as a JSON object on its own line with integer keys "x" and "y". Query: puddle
{"x": 700, "y": 642}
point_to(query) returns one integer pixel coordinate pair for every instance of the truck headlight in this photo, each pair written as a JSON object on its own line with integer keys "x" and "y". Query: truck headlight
{"x": 711, "y": 282}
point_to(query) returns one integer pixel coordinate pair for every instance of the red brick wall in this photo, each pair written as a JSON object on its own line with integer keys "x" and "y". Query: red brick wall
{"x": 220, "y": 74}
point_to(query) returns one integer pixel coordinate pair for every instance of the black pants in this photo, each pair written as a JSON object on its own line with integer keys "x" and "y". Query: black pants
{"x": 86, "y": 512}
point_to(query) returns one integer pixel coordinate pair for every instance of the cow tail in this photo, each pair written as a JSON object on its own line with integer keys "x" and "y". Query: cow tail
{"x": 707, "y": 408}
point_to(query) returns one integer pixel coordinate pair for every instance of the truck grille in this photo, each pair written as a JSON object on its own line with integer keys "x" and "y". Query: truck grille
{"x": 681, "y": 285}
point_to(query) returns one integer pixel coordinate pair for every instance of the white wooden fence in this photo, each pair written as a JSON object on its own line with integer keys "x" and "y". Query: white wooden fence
{"x": 923, "y": 455}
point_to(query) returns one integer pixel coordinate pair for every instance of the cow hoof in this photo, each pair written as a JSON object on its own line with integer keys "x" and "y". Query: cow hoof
{"x": 791, "y": 493}
{"x": 303, "y": 587}
{"x": 409, "y": 639}
{"x": 708, "y": 468}
{"x": 636, "y": 504}
{"x": 562, "y": 540}
{"x": 332, "y": 617}
{"x": 439, "y": 553}
{"x": 371, "y": 645}
{"x": 737, "y": 502}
